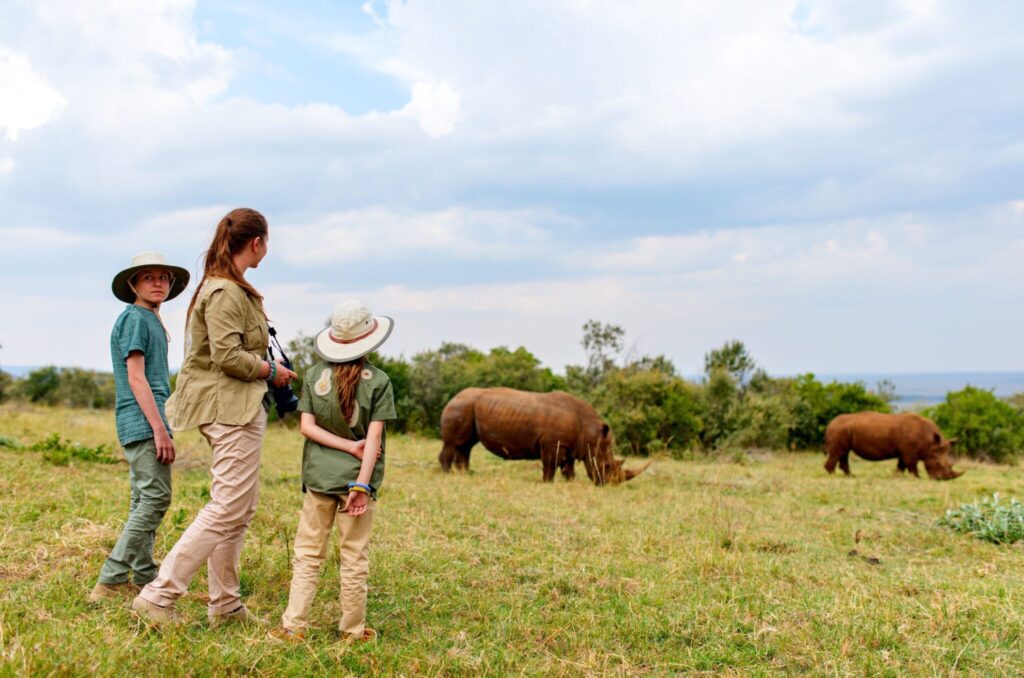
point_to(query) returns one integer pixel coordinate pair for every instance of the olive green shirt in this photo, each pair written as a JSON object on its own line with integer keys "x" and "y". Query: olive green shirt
{"x": 325, "y": 469}
{"x": 224, "y": 352}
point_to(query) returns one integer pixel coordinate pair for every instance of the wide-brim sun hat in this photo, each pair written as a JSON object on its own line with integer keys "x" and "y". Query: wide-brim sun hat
{"x": 149, "y": 259}
{"x": 353, "y": 333}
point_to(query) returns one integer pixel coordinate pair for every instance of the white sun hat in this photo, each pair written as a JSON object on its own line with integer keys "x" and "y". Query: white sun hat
{"x": 123, "y": 291}
{"x": 353, "y": 332}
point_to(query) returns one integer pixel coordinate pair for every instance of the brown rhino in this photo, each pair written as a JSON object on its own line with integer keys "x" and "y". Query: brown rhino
{"x": 555, "y": 427}
{"x": 874, "y": 436}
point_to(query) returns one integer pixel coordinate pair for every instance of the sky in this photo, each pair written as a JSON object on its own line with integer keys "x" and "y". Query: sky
{"x": 836, "y": 183}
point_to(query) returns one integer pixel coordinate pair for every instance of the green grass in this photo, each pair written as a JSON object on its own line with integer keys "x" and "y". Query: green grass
{"x": 764, "y": 567}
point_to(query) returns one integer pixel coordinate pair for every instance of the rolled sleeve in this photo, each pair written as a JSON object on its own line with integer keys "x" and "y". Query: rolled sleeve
{"x": 225, "y": 323}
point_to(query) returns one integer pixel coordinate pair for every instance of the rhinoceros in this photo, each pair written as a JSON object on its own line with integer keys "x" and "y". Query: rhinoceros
{"x": 555, "y": 427}
{"x": 875, "y": 436}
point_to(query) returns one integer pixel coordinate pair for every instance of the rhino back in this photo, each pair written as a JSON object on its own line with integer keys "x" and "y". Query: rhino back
{"x": 513, "y": 423}
{"x": 876, "y": 435}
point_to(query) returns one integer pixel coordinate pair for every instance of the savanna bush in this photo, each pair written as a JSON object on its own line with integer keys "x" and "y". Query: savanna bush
{"x": 816, "y": 404}
{"x": 6, "y": 385}
{"x": 650, "y": 409}
{"x": 436, "y": 376}
{"x": 988, "y": 428}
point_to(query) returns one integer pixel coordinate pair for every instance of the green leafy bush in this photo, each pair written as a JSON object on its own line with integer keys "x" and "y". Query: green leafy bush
{"x": 816, "y": 404}
{"x": 989, "y": 520}
{"x": 988, "y": 428}
{"x": 40, "y": 386}
{"x": 650, "y": 409}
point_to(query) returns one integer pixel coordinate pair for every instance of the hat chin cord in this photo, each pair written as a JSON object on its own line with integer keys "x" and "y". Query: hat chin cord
{"x": 155, "y": 308}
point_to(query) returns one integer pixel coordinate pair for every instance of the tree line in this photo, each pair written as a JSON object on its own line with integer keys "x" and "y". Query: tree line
{"x": 735, "y": 405}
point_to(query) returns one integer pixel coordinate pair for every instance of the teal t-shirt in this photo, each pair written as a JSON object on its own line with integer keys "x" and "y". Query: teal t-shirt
{"x": 327, "y": 470}
{"x": 138, "y": 329}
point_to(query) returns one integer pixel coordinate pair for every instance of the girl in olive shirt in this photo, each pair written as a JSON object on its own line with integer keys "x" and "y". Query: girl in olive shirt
{"x": 345, "y": 402}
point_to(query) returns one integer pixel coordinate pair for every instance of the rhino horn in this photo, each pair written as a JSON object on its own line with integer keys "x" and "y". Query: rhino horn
{"x": 634, "y": 472}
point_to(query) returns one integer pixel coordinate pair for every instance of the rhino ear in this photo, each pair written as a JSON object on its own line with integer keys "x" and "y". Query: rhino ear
{"x": 937, "y": 438}
{"x": 604, "y": 430}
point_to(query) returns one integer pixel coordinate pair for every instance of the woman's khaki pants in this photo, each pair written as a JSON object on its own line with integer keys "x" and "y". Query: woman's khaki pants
{"x": 319, "y": 513}
{"x": 215, "y": 536}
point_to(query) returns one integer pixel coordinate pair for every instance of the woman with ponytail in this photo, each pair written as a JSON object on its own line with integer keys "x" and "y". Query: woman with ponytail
{"x": 345, "y": 402}
{"x": 220, "y": 390}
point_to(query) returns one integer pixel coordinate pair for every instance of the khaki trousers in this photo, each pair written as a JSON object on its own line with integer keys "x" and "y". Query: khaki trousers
{"x": 319, "y": 513}
{"x": 215, "y": 536}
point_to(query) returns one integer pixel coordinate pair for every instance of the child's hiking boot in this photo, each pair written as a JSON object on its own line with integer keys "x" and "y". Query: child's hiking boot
{"x": 115, "y": 592}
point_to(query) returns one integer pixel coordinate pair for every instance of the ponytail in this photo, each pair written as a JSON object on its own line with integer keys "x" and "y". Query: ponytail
{"x": 234, "y": 232}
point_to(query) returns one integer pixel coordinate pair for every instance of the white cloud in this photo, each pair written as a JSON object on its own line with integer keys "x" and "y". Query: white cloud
{"x": 388, "y": 235}
{"x": 26, "y": 100}
{"x": 435, "y": 107}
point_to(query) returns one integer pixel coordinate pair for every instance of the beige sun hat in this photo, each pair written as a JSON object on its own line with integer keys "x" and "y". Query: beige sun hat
{"x": 353, "y": 332}
{"x": 149, "y": 259}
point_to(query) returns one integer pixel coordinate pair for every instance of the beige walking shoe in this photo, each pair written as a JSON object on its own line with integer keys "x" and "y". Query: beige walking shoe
{"x": 240, "y": 614}
{"x": 287, "y": 635}
{"x": 104, "y": 592}
{"x": 152, "y": 613}
{"x": 367, "y": 635}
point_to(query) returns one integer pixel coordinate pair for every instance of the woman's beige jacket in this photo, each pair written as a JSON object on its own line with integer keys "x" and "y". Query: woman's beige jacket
{"x": 224, "y": 352}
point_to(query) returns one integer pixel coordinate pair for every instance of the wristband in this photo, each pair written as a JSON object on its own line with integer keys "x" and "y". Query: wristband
{"x": 273, "y": 371}
{"x": 357, "y": 488}
{"x": 361, "y": 487}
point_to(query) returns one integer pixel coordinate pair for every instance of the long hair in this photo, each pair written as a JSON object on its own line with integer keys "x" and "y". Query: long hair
{"x": 346, "y": 379}
{"x": 234, "y": 232}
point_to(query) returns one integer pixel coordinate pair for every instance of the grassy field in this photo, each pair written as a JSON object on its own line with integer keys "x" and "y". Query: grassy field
{"x": 763, "y": 566}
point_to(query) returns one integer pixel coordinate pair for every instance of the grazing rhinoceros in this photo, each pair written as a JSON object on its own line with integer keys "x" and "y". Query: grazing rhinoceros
{"x": 874, "y": 436}
{"x": 556, "y": 428}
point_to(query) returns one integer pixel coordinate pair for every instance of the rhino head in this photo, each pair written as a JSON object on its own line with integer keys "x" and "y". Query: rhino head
{"x": 939, "y": 460}
{"x": 602, "y": 465}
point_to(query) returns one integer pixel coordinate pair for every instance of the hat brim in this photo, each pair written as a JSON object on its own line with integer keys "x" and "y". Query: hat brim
{"x": 332, "y": 351}
{"x": 122, "y": 291}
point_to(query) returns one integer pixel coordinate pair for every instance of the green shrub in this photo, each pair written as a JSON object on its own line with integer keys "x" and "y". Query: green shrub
{"x": 85, "y": 388}
{"x": 816, "y": 404}
{"x": 6, "y": 385}
{"x": 40, "y": 386}
{"x": 650, "y": 409}
{"x": 721, "y": 407}
{"x": 761, "y": 420}
{"x": 989, "y": 520}
{"x": 988, "y": 428}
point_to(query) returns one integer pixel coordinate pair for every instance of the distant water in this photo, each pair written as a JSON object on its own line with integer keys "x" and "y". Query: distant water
{"x": 930, "y": 388}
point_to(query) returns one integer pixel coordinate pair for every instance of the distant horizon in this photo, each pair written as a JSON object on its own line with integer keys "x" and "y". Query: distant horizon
{"x": 20, "y": 370}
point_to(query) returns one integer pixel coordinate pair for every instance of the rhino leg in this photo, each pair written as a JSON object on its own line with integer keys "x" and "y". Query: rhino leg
{"x": 912, "y": 467}
{"x": 568, "y": 467}
{"x": 833, "y": 459}
{"x": 844, "y": 463}
{"x": 457, "y": 456}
